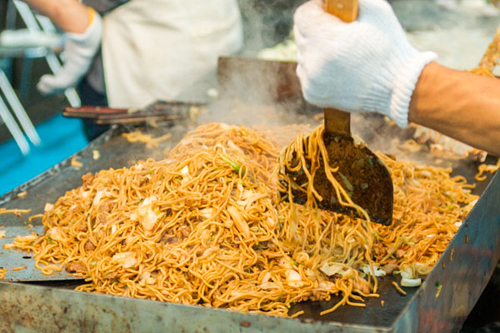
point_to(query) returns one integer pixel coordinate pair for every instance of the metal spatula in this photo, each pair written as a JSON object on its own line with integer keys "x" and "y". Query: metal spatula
{"x": 362, "y": 174}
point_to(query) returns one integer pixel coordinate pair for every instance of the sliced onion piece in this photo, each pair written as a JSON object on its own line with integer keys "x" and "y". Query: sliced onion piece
{"x": 411, "y": 282}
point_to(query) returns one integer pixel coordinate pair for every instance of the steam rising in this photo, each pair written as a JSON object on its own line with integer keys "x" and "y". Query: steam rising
{"x": 263, "y": 93}
{"x": 259, "y": 92}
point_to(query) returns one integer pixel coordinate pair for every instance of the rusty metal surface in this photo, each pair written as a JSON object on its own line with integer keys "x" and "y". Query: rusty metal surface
{"x": 20, "y": 259}
{"x": 55, "y": 307}
{"x": 463, "y": 270}
{"x": 466, "y": 266}
{"x": 30, "y": 308}
{"x": 115, "y": 152}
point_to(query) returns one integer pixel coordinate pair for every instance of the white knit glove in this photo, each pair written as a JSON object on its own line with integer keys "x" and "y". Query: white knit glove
{"x": 366, "y": 65}
{"x": 80, "y": 50}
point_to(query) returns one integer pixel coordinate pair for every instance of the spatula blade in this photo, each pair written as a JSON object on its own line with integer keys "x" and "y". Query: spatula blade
{"x": 360, "y": 172}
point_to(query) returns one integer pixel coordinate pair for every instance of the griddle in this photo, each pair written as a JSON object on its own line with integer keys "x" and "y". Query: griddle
{"x": 463, "y": 271}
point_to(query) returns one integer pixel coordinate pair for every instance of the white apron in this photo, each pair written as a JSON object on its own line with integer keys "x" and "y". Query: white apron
{"x": 155, "y": 49}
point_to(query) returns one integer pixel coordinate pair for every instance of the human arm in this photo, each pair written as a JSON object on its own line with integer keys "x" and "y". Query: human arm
{"x": 68, "y": 15}
{"x": 83, "y": 29}
{"x": 369, "y": 66}
{"x": 461, "y": 105}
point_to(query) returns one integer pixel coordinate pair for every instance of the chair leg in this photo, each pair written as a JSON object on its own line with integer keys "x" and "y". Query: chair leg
{"x": 18, "y": 109}
{"x": 25, "y": 84}
{"x": 11, "y": 15}
{"x": 30, "y": 20}
{"x": 6, "y": 64}
{"x": 73, "y": 98}
{"x": 13, "y": 128}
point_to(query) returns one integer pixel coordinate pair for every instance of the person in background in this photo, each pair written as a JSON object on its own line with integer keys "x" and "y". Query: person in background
{"x": 369, "y": 66}
{"x": 151, "y": 49}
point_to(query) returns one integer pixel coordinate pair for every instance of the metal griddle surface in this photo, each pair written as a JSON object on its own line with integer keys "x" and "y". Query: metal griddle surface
{"x": 25, "y": 261}
{"x": 374, "y": 314}
{"x": 116, "y": 152}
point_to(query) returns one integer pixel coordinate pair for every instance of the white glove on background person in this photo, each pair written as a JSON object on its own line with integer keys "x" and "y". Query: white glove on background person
{"x": 80, "y": 50}
{"x": 364, "y": 66}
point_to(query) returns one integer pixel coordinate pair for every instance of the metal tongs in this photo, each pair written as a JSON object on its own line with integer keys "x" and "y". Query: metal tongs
{"x": 157, "y": 111}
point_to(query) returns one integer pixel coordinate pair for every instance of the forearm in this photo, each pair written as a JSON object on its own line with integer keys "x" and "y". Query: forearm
{"x": 458, "y": 104}
{"x": 68, "y": 15}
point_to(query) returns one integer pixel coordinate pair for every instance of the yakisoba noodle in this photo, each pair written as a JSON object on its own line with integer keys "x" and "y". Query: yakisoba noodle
{"x": 16, "y": 212}
{"x": 484, "y": 168}
{"x": 150, "y": 142}
{"x": 490, "y": 58}
{"x": 206, "y": 227}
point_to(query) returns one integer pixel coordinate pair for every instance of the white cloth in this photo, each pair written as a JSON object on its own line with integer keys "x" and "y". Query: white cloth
{"x": 79, "y": 50}
{"x": 155, "y": 49}
{"x": 367, "y": 65}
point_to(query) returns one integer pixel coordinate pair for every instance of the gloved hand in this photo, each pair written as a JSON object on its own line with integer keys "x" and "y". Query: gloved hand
{"x": 80, "y": 50}
{"x": 366, "y": 65}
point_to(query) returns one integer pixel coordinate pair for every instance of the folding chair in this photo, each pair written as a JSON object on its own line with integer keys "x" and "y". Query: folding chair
{"x": 9, "y": 101}
{"x": 39, "y": 23}
{"x": 6, "y": 117}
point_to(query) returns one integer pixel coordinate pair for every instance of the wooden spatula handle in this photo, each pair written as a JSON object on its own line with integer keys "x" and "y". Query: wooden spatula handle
{"x": 346, "y": 10}
{"x": 337, "y": 121}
